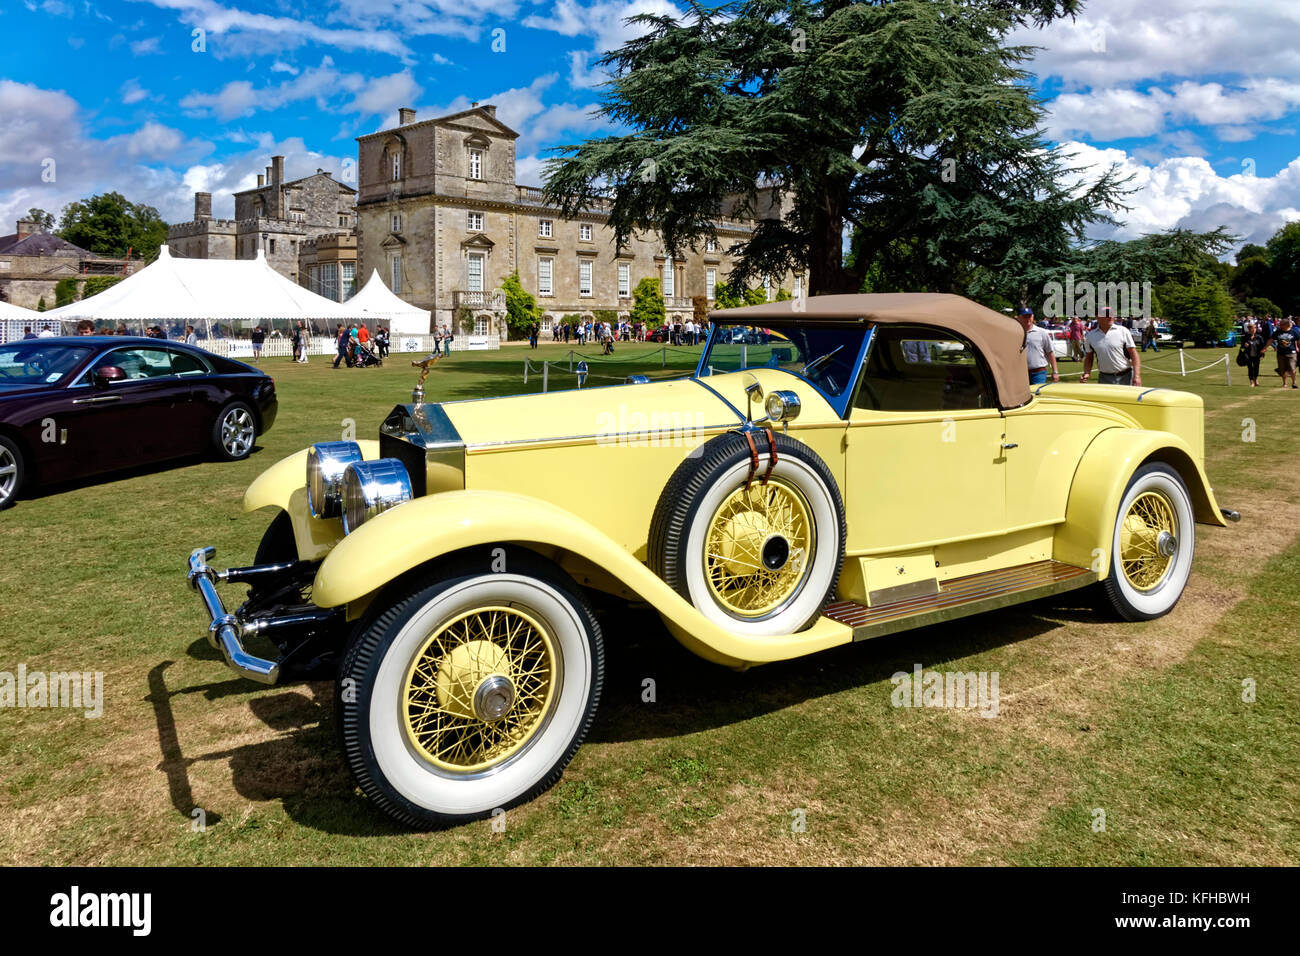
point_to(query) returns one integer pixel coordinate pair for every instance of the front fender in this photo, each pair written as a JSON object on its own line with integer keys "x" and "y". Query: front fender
{"x": 1103, "y": 474}
{"x": 426, "y": 528}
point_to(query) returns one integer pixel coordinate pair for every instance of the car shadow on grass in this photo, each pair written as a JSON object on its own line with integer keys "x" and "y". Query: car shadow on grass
{"x": 40, "y": 491}
{"x": 303, "y": 767}
{"x": 691, "y": 694}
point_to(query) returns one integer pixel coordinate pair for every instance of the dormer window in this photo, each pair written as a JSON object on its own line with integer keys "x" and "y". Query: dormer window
{"x": 396, "y": 167}
{"x": 476, "y": 164}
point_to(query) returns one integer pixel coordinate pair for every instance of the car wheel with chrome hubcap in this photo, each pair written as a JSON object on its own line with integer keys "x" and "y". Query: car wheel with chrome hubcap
{"x": 472, "y": 692}
{"x": 234, "y": 432}
{"x": 11, "y": 471}
{"x": 1153, "y": 544}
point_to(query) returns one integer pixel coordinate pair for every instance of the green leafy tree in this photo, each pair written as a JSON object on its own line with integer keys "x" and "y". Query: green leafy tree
{"x": 648, "y": 304}
{"x": 40, "y": 306}
{"x": 909, "y": 118}
{"x": 44, "y": 220}
{"x": 1260, "y": 306}
{"x": 783, "y": 295}
{"x": 65, "y": 291}
{"x": 727, "y": 296}
{"x": 521, "y": 308}
{"x": 1201, "y": 311}
{"x": 97, "y": 284}
{"x": 109, "y": 225}
{"x": 1283, "y": 250}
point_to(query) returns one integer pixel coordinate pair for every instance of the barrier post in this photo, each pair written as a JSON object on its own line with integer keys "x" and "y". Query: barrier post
{"x": 570, "y": 360}
{"x": 525, "y": 371}
{"x": 1182, "y": 365}
{"x": 663, "y": 358}
{"x": 1227, "y": 369}
{"x": 546, "y": 371}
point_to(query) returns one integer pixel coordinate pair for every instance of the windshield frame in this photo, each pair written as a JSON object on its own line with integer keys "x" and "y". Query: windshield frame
{"x": 841, "y": 403}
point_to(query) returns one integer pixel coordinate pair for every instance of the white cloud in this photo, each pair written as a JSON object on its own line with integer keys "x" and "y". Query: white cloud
{"x": 322, "y": 84}
{"x": 133, "y": 92}
{"x": 43, "y": 126}
{"x": 1109, "y": 114}
{"x": 1168, "y": 38}
{"x": 246, "y": 32}
{"x": 280, "y": 66}
{"x": 146, "y": 46}
{"x": 602, "y": 21}
{"x": 1187, "y": 192}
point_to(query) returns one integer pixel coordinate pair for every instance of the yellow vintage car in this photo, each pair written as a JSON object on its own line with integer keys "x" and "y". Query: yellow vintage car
{"x": 835, "y": 469}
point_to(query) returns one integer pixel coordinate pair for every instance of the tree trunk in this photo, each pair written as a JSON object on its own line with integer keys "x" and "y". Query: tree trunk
{"x": 826, "y": 272}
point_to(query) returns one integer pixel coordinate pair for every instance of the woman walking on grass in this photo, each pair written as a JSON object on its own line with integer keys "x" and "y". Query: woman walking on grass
{"x": 1254, "y": 345}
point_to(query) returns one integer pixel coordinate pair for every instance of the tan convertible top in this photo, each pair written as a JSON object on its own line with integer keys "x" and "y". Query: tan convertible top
{"x": 999, "y": 338}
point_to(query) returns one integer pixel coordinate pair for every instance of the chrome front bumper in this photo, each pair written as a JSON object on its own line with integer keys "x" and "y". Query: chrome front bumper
{"x": 225, "y": 632}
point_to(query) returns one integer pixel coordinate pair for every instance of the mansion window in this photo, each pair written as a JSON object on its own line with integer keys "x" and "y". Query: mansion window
{"x": 272, "y": 244}
{"x": 476, "y": 164}
{"x": 349, "y": 285}
{"x": 624, "y": 279}
{"x": 396, "y": 168}
{"x": 710, "y": 245}
{"x": 544, "y": 228}
{"x": 545, "y": 270}
{"x": 710, "y": 282}
{"x": 397, "y": 222}
{"x": 474, "y": 222}
{"x": 584, "y": 232}
{"x": 668, "y": 280}
{"x": 475, "y": 271}
{"x": 482, "y": 325}
{"x": 767, "y": 288}
{"x": 584, "y": 278}
{"x": 798, "y": 287}
{"x": 395, "y": 273}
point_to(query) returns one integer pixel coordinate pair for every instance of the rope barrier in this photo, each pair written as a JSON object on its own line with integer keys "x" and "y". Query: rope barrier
{"x": 1182, "y": 369}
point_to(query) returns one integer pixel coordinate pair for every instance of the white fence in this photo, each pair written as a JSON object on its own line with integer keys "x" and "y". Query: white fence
{"x": 280, "y": 347}
{"x": 275, "y": 345}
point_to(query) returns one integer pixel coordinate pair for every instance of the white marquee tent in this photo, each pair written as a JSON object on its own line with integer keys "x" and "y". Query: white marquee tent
{"x": 400, "y": 316}
{"x": 216, "y": 296}
{"x": 13, "y": 319}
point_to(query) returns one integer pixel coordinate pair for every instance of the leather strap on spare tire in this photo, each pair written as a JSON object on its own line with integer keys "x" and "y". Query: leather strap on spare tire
{"x": 766, "y": 520}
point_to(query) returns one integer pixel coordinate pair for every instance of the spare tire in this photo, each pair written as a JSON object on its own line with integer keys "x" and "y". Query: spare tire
{"x": 758, "y": 559}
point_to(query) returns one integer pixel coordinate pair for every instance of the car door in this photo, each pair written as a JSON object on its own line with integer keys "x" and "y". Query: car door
{"x": 924, "y": 461}
{"x": 138, "y": 419}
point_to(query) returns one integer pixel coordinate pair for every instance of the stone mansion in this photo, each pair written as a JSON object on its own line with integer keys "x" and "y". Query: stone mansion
{"x": 439, "y": 214}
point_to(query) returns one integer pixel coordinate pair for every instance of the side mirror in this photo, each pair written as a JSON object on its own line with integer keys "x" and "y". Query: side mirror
{"x": 106, "y": 375}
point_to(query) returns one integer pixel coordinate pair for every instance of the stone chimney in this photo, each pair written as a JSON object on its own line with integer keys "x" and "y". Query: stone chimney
{"x": 261, "y": 179}
{"x": 27, "y": 227}
{"x": 268, "y": 174}
{"x": 405, "y": 116}
{"x": 277, "y": 170}
{"x": 490, "y": 109}
{"x": 202, "y": 206}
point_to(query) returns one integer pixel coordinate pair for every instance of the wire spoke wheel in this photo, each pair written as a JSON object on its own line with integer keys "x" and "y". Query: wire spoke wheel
{"x": 1148, "y": 540}
{"x": 756, "y": 548}
{"x": 479, "y": 688}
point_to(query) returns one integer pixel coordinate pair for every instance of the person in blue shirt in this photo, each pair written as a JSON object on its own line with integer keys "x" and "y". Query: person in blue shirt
{"x": 1286, "y": 342}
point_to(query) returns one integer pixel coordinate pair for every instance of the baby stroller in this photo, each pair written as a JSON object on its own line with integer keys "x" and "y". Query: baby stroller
{"x": 365, "y": 358}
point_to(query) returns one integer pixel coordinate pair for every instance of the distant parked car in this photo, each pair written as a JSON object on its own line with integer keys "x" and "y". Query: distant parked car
{"x": 73, "y": 407}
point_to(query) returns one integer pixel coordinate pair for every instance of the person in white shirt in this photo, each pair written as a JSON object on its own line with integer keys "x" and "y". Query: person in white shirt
{"x": 1039, "y": 352}
{"x": 45, "y": 333}
{"x": 1115, "y": 351}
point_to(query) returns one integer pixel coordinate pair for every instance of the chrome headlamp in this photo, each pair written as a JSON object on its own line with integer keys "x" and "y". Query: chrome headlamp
{"x": 371, "y": 488}
{"x": 782, "y": 406}
{"x": 326, "y": 462}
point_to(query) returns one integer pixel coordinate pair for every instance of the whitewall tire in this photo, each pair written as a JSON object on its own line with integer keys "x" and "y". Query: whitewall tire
{"x": 472, "y": 692}
{"x": 1152, "y": 544}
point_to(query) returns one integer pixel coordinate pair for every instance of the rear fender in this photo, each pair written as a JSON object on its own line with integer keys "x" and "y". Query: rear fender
{"x": 1104, "y": 472}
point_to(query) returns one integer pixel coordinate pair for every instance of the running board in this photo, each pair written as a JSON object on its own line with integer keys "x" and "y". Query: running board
{"x": 959, "y": 597}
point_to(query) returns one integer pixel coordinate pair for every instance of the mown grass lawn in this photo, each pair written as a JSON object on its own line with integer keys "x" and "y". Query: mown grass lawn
{"x": 1145, "y": 723}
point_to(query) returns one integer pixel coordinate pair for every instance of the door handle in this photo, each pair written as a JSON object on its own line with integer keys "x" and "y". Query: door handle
{"x": 1010, "y": 444}
{"x": 97, "y": 400}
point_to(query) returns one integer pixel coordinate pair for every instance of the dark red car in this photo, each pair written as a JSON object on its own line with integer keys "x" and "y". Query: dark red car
{"x": 72, "y": 407}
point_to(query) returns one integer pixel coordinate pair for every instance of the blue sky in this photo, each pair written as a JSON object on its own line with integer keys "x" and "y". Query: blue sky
{"x": 1198, "y": 99}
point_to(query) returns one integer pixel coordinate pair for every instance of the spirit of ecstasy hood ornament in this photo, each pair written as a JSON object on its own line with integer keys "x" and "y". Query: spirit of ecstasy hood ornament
{"x": 417, "y": 393}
